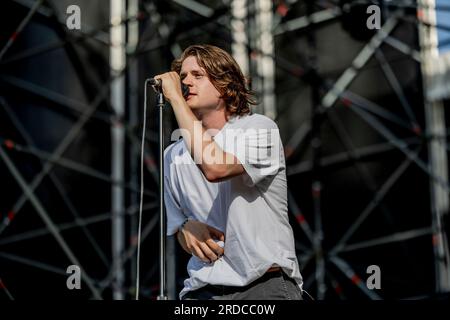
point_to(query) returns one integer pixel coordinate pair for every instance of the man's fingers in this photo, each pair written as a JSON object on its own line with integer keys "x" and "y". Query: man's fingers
{"x": 210, "y": 255}
{"x": 199, "y": 253}
{"x": 216, "y": 233}
{"x": 218, "y": 250}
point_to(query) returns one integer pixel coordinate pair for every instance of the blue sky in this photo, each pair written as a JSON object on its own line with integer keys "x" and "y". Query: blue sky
{"x": 443, "y": 18}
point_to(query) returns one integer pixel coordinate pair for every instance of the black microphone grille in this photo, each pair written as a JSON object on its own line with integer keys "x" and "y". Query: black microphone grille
{"x": 185, "y": 90}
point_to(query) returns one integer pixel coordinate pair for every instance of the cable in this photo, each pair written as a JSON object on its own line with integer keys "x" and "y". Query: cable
{"x": 304, "y": 291}
{"x": 142, "y": 191}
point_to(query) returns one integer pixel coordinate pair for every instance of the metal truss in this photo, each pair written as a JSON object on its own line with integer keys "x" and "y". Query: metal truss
{"x": 335, "y": 95}
{"x": 329, "y": 270}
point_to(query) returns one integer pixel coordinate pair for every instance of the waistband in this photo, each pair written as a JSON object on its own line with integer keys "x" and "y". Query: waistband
{"x": 274, "y": 269}
{"x": 273, "y": 272}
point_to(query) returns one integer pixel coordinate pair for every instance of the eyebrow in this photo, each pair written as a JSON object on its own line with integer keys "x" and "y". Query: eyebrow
{"x": 194, "y": 72}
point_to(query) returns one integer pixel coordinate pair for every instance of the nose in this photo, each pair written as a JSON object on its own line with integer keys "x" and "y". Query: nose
{"x": 187, "y": 80}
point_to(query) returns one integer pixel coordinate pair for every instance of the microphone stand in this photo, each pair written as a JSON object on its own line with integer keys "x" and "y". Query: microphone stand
{"x": 160, "y": 101}
{"x": 162, "y": 219}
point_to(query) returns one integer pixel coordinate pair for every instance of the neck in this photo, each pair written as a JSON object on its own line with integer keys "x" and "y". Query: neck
{"x": 212, "y": 119}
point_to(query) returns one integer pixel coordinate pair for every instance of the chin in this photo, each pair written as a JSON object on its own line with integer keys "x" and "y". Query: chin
{"x": 190, "y": 105}
{"x": 194, "y": 106}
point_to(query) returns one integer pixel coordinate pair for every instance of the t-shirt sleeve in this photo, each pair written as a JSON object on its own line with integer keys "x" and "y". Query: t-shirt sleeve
{"x": 174, "y": 212}
{"x": 257, "y": 147}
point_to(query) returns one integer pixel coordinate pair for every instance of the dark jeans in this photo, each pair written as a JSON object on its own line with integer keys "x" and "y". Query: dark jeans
{"x": 271, "y": 286}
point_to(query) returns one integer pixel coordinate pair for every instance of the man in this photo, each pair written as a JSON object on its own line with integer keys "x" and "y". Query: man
{"x": 225, "y": 185}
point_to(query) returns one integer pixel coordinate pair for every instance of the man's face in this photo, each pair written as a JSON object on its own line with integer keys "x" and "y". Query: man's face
{"x": 202, "y": 93}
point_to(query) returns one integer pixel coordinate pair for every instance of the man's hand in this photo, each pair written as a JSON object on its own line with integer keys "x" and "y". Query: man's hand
{"x": 171, "y": 85}
{"x": 197, "y": 238}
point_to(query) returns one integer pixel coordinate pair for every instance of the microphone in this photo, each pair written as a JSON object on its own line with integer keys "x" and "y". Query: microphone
{"x": 156, "y": 84}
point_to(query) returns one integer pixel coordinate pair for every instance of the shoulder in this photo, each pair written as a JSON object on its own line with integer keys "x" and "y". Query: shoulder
{"x": 173, "y": 155}
{"x": 254, "y": 121}
{"x": 173, "y": 150}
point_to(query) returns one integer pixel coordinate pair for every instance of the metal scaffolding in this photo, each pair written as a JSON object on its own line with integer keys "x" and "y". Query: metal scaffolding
{"x": 138, "y": 32}
{"x": 437, "y": 151}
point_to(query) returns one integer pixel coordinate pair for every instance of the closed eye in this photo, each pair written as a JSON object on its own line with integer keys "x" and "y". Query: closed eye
{"x": 195, "y": 74}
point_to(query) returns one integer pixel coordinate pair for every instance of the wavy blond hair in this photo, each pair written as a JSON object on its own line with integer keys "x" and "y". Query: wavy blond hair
{"x": 225, "y": 75}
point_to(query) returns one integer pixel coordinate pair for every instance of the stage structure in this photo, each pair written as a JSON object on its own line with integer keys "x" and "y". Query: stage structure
{"x": 364, "y": 132}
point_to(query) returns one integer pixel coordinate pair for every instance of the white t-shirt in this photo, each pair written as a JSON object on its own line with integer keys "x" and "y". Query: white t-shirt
{"x": 250, "y": 209}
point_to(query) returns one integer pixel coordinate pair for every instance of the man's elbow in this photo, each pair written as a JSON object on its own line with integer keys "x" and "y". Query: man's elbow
{"x": 214, "y": 173}
{"x": 220, "y": 173}
{"x": 213, "y": 176}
